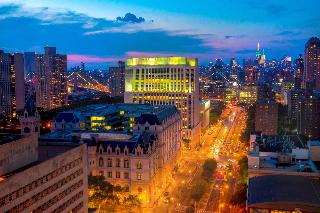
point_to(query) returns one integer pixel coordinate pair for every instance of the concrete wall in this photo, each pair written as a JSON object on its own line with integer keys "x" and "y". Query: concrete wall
{"x": 19, "y": 153}
{"x": 58, "y": 184}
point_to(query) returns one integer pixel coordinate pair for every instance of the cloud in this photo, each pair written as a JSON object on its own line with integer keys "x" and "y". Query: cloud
{"x": 147, "y": 54}
{"x": 234, "y": 36}
{"x": 130, "y": 18}
{"x": 75, "y": 58}
{"x": 287, "y": 33}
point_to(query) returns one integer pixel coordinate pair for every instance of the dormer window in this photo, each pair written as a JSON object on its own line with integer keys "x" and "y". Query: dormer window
{"x": 109, "y": 150}
{"x": 118, "y": 151}
{"x": 125, "y": 151}
{"x": 146, "y": 128}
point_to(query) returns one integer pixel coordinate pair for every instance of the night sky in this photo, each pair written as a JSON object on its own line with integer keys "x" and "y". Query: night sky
{"x": 101, "y": 32}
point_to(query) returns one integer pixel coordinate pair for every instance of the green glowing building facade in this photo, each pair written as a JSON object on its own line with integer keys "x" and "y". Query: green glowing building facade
{"x": 166, "y": 81}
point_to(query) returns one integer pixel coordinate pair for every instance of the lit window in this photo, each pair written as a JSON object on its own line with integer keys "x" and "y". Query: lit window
{"x": 139, "y": 176}
{"x": 139, "y": 165}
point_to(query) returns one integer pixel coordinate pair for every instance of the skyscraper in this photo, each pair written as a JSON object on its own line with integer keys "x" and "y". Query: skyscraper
{"x": 12, "y": 92}
{"x": 251, "y": 72}
{"x": 166, "y": 81}
{"x": 312, "y": 63}
{"x": 51, "y": 79}
{"x": 266, "y": 117}
{"x": 308, "y": 116}
{"x": 116, "y": 79}
{"x": 29, "y": 59}
{"x": 299, "y": 73}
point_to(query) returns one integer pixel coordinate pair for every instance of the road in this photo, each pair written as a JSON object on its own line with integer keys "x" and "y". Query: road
{"x": 227, "y": 151}
{"x": 221, "y": 142}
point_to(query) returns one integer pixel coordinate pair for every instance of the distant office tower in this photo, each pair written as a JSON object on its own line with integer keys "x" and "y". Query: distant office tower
{"x": 265, "y": 92}
{"x": 116, "y": 79}
{"x": 294, "y": 98}
{"x": 251, "y": 72}
{"x": 248, "y": 94}
{"x": 82, "y": 66}
{"x": 29, "y": 59}
{"x": 12, "y": 91}
{"x": 167, "y": 81}
{"x": 308, "y": 117}
{"x": 299, "y": 73}
{"x": 51, "y": 79}
{"x": 312, "y": 63}
{"x": 266, "y": 117}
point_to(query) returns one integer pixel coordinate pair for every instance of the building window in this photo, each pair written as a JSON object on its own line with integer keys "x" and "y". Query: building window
{"x": 126, "y": 163}
{"x": 126, "y": 175}
{"x": 109, "y": 174}
{"x": 139, "y": 165}
{"x": 117, "y": 162}
{"x": 109, "y": 162}
{"x": 139, "y": 176}
{"x": 100, "y": 161}
{"x": 117, "y": 174}
{"x": 125, "y": 152}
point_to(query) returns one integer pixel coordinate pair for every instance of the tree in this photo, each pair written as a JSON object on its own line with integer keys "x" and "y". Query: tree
{"x": 240, "y": 196}
{"x": 243, "y": 164}
{"x": 198, "y": 190}
{"x": 209, "y": 168}
{"x": 100, "y": 192}
{"x": 132, "y": 201}
{"x": 250, "y": 125}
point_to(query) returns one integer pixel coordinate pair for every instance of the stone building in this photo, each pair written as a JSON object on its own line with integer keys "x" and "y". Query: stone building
{"x": 145, "y": 161}
{"x": 42, "y": 177}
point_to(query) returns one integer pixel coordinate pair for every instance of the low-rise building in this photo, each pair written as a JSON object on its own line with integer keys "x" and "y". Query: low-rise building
{"x": 144, "y": 161}
{"x": 283, "y": 193}
{"x": 42, "y": 177}
{"x": 271, "y": 155}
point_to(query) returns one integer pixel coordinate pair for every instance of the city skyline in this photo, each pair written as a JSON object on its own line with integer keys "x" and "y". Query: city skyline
{"x": 100, "y": 34}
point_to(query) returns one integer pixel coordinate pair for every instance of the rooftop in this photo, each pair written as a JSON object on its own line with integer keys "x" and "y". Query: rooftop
{"x": 285, "y": 192}
{"x": 144, "y": 140}
{"x": 159, "y": 61}
{"x": 298, "y": 166}
{"x": 7, "y": 138}
{"x": 278, "y": 143}
{"x": 45, "y": 151}
{"x": 129, "y": 110}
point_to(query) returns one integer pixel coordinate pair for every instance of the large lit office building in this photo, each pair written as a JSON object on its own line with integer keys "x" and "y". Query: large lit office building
{"x": 51, "y": 79}
{"x": 12, "y": 93}
{"x": 312, "y": 63}
{"x": 116, "y": 79}
{"x": 166, "y": 81}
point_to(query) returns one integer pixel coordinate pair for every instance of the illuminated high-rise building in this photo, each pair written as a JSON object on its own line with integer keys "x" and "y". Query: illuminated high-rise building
{"x": 166, "y": 81}
{"x": 12, "y": 91}
{"x": 116, "y": 79}
{"x": 312, "y": 63}
{"x": 266, "y": 117}
{"x": 299, "y": 73}
{"x": 51, "y": 79}
{"x": 251, "y": 72}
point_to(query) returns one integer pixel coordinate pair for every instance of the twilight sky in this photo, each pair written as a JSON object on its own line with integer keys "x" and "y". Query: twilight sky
{"x": 100, "y": 32}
